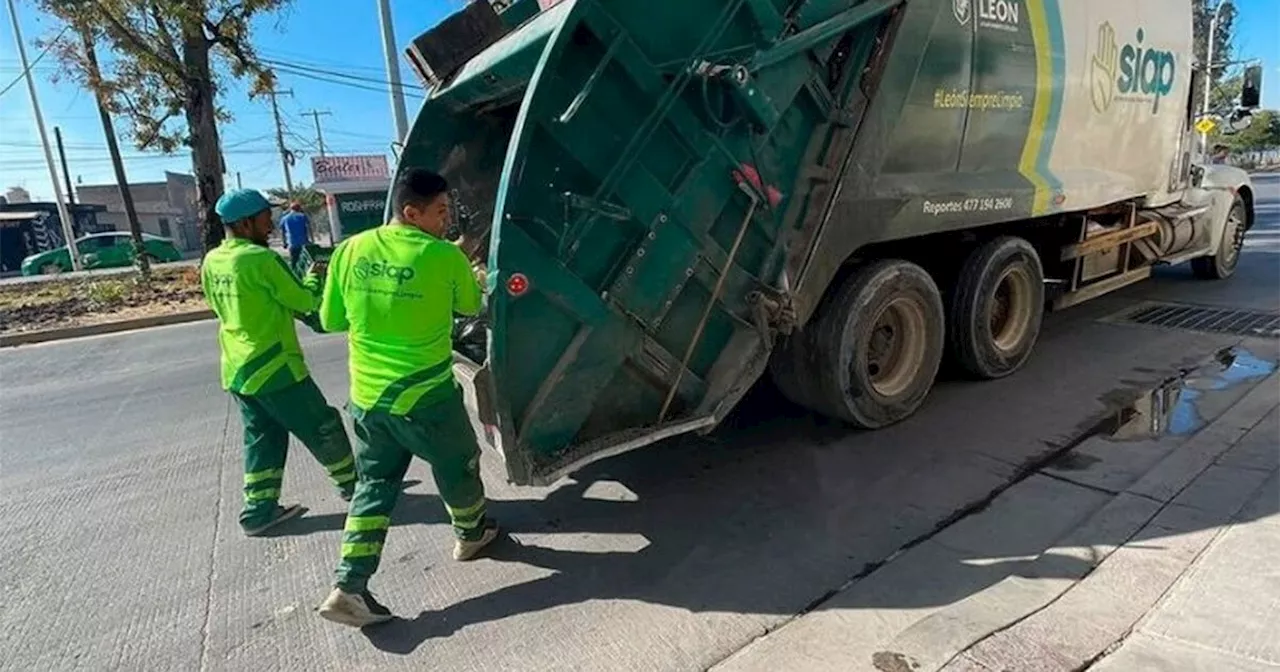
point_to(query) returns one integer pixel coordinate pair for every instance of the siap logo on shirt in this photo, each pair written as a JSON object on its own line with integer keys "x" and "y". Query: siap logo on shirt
{"x": 372, "y": 269}
{"x": 220, "y": 284}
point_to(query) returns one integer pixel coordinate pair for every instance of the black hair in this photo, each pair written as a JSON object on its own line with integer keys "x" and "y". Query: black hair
{"x": 417, "y": 187}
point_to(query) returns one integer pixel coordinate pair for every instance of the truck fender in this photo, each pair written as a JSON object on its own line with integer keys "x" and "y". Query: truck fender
{"x": 1215, "y": 220}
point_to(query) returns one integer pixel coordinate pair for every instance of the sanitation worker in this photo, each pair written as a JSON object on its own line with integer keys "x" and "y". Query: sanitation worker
{"x": 396, "y": 289}
{"x": 255, "y": 297}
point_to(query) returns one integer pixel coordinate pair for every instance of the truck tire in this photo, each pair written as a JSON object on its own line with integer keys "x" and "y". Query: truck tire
{"x": 1222, "y": 265}
{"x": 870, "y": 355}
{"x": 996, "y": 308}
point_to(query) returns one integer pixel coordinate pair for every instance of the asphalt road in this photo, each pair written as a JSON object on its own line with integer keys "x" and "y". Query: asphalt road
{"x": 120, "y": 475}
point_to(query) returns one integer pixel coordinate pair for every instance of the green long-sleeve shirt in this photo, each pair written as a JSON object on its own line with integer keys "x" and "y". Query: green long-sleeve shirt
{"x": 396, "y": 289}
{"x": 255, "y": 297}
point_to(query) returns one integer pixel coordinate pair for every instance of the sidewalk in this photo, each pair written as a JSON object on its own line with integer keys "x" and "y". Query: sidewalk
{"x": 1148, "y": 554}
{"x": 1223, "y": 614}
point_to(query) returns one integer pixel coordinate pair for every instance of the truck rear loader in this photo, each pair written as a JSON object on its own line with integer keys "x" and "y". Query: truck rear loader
{"x": 674, "y": 198}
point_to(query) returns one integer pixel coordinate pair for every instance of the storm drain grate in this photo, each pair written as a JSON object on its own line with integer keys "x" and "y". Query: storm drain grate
{"x": 1199, "y": 318}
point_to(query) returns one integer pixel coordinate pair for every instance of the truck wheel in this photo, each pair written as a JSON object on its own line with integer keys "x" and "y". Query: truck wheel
{"x": 870, "y": 355}
{"x": 996, "y": 308}
{"x": 1222, "y": 265}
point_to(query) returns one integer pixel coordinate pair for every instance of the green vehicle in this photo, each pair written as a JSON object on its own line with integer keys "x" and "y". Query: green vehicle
{"x": 674, "y": 198}
{"x": 101, "y": 250}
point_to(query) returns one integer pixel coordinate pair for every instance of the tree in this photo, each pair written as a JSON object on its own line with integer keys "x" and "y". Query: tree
{"x": 1262, "y": 134}
{"x": 169, "y": 56}
{"x": 1223, "y": 48}
{"x": 311, "y": 200}
{"x": 1226, "y": 95}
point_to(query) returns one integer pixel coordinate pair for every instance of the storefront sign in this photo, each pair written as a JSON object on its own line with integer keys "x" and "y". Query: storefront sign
{"x": 349, "y": 168}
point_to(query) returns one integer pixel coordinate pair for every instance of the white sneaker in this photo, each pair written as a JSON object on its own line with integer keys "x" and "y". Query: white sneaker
{"x": 354, "y": 609}
{"x": 467, "y": 550}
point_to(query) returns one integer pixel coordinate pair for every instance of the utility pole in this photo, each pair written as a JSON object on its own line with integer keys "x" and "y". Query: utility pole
{"x": 1208, "y": 70}
{"x": 286, "y": 157}
{"x": 62, "y": 158}
{"x": 64, "y": 216}
{"x": 117, "y": 165}
{"x": 316, "y": 114}
{"x": 389, "y": 51}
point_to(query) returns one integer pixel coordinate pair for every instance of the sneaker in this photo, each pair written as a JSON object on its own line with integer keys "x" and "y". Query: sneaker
{"x": 466, "y": 550}
{"x": 282, "y": 514}
{"x": 354, "y": 609}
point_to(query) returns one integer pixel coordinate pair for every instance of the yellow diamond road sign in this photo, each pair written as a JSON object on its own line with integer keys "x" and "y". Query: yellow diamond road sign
{"x": 1206, "y": 125}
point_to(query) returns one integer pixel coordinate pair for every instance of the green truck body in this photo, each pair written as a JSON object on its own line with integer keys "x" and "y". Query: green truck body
{"x": 664, "y": 192}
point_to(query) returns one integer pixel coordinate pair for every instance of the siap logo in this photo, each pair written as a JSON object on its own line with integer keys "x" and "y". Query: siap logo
{"x": 366, "y": 268}
{"x": 1133, "y": 73}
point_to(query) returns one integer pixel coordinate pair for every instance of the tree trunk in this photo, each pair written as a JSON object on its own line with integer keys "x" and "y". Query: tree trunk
{"x": 206, "y": 150}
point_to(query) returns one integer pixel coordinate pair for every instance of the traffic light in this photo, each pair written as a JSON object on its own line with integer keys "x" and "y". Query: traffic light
{"x": 1251, "y": 90}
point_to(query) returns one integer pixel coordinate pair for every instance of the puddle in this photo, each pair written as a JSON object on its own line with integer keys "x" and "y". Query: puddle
{"x": 1173, "y": 408}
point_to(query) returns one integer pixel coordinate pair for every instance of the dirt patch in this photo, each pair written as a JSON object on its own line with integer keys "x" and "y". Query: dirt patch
{"x": 81, "y": 301}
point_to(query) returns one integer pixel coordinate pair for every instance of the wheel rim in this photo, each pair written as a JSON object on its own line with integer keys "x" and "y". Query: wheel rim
{"x": 897, "y": 347}
{"x": 1235, "y": 224}
{"x": 1011, "y": 308}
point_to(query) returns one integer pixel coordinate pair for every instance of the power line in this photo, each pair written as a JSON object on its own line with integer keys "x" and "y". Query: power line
{"x": 42, "y": 54}
{"x": 336, "y": 77}
{"x": 309, "y": 59}
{"x": 339, "y": 73}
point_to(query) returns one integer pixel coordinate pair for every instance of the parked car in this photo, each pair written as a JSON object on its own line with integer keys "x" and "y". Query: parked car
{"x": 101, "y": 250}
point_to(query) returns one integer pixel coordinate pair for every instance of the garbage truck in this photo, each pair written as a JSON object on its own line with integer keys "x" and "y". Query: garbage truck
{"x": 674, "y": 199}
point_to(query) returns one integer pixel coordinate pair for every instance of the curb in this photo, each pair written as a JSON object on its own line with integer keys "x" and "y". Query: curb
{"x": 29, "y": 337}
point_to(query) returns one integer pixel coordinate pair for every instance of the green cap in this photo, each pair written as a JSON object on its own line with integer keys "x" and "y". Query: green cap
{"x": 239, "y": 204}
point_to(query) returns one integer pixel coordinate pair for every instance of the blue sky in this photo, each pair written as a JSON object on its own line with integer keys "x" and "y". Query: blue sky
{"x": 316, "y": 35}
{"x": 325, "y": 35}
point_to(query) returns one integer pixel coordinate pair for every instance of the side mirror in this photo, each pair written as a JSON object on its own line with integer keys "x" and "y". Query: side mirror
{"x": 1251, "y": 88}
{"x": 1240, "y": 120}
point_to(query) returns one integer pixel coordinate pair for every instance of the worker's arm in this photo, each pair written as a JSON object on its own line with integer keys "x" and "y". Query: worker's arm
{"x": 283, "y": 285}
{"x": 468, "y": 298}
{"x": 333, "y": 312}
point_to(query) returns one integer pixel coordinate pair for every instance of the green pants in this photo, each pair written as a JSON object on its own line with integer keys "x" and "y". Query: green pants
{"x": 438, "y": 432}
{"x": 299, "y": 409}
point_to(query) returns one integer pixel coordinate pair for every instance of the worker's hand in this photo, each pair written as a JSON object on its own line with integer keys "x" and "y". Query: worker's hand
{"x": 317, "y": 268}
{"x": 482, "y": 276}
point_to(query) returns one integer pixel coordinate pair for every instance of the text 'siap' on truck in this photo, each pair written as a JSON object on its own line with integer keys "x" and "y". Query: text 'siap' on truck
{"x": 673, "y": 197}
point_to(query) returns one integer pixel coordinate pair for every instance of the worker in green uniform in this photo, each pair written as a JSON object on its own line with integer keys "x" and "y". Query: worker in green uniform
{"x": 396, "y": 289}
{"x": 256, "y": 298}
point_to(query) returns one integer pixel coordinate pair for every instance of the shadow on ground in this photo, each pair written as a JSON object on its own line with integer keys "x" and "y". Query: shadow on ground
{"x": 713, "y": 554}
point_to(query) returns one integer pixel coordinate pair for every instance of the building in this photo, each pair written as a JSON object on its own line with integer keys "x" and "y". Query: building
{"x": 165, "y": 208}
{"x": 30, "y": 228}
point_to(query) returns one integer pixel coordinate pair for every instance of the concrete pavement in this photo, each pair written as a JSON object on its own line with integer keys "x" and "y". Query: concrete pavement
{"x": 120, "y": 476}
{"x": 1059, "y": 568}
{"x": 1221, "y": 615}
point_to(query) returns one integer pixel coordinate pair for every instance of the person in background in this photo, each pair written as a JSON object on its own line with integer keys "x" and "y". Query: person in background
{"x": 396, "y": 289}
{"x": 256, "y": 298}
{"x": 1220, "y": 154}
{"x": 295, "y": 229}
